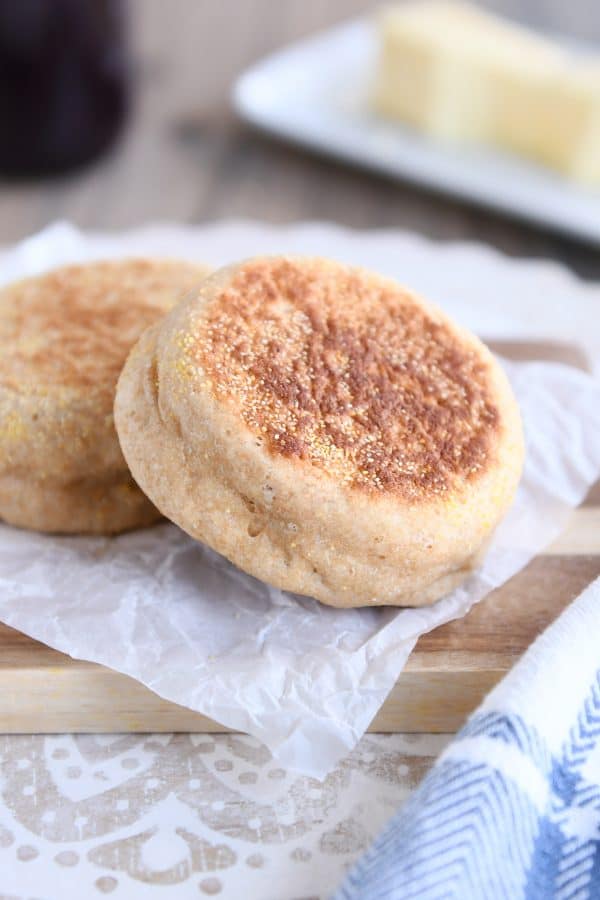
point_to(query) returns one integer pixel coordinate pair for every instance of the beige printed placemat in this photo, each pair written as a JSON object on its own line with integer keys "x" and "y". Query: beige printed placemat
{"x": 174, "y": 816}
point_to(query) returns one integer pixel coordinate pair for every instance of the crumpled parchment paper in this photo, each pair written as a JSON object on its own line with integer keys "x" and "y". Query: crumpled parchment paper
{"x": 303, "y": 678}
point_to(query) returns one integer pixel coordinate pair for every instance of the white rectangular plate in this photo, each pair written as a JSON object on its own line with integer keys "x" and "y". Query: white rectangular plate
{"x": 315, "y": 93}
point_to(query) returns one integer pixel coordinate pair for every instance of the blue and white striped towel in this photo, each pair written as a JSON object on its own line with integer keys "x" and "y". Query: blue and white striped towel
{"x": 511, "y": 809}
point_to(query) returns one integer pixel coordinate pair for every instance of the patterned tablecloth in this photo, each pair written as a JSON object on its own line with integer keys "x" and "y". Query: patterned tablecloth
{"x": 173, "y": 816}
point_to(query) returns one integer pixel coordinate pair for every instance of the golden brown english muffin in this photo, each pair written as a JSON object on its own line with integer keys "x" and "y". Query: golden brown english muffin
{"x": 324, "y": 429}
{"x": 64, "y": 337}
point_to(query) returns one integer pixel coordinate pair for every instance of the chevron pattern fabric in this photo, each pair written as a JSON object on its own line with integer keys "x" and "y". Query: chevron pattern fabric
{"x": 511, "y": 809}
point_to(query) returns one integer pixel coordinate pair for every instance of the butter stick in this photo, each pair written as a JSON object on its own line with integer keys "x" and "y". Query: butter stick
{"x": 463, "y": 75}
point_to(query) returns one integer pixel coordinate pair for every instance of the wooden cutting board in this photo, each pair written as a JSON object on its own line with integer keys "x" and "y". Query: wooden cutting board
{"x": 450, "y": 670}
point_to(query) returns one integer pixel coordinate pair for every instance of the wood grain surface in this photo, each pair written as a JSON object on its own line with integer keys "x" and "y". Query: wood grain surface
{"x": 451, "y": 669}
{"x": 184, "y": 157}
{"x": 449, "y": 672}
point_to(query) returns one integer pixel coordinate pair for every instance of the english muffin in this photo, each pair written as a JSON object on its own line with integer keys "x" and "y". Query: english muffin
{"x": 324, "y": 429}
{"x": 64, "y": 337}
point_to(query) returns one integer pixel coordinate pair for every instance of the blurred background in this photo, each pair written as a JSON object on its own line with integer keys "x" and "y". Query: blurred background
{"x": 164, "y": 144}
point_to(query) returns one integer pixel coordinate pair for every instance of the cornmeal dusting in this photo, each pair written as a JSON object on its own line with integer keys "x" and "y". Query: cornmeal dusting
{"x": 73, "y": 327}
{"x": 337, "y": 367}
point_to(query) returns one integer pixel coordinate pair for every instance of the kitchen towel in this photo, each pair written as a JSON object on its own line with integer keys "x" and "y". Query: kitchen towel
{"x": 511, "y": 809}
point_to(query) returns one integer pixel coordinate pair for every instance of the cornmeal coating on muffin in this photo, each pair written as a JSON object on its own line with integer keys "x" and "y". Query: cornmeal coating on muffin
{"x": 64, "y": 337}
{"x": 325, "y": 429}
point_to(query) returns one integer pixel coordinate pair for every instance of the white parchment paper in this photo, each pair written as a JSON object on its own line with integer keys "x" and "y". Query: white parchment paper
{"x": 303, "y": 678}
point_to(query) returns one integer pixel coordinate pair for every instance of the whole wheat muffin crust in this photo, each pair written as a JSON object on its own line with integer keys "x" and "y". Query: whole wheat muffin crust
{"x": 355, "y": 376}
{"x": 72, "y": 328}
{"x": 64, "y": 337}
{"x": 325, "y": 429}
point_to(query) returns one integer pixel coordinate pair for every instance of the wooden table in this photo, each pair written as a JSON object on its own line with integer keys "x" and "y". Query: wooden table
{"x": 184, "y": 157}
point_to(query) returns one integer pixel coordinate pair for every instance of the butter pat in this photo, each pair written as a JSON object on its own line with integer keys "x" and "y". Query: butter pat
{"x": 463, "y": 75}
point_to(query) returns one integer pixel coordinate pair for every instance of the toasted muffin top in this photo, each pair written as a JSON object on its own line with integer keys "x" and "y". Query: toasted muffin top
{"x": 72, "y": 328}
{"x": 347, "y": 371}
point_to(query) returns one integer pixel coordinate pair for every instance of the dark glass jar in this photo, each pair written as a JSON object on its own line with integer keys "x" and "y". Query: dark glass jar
{"x": 64, "y": 82}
